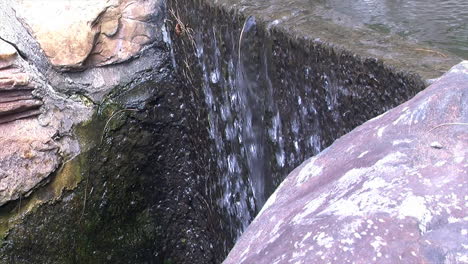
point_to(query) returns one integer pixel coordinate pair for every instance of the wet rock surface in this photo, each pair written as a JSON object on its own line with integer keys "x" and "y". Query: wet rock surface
{"x": 315, "y": 22}
{"x": 39, "y": 106}
{"x": 140, "y": 198}
{"x": 107, "y": 170}
{"x": 96, "y": 174}
{"x": 273, "y": 99}
{"x": 27, "y": 157}
{"x": 113, "y": 151}
{"x": 393, "y": 190}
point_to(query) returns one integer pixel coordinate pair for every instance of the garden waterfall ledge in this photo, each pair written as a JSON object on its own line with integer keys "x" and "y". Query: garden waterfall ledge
{"x": 150, "y": 131}
{"x": 393, "y": 190}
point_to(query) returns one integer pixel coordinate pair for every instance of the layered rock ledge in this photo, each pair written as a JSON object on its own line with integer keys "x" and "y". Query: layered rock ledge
{"x": 16, "y": 98}
{"x": 393, "y": 190}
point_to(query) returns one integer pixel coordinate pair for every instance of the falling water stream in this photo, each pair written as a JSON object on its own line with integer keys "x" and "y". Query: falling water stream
{"x": 272, "y": 102}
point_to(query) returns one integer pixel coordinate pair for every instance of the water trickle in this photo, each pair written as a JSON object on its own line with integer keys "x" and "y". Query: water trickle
{"x": 270, "y": 104}
{"x": 168, "y": 41}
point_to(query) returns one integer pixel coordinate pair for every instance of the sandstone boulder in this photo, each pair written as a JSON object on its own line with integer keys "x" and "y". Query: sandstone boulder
{"x": 7, "y": 54}
{"x": 394, "y": 190}
{"x": 27, "y": 153}
{"x": 80, "y": 34}
{"x": 16, "y": 99}
{"x": 39, "y": 106}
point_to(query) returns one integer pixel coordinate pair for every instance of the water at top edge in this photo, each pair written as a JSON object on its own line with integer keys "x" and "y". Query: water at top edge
{"x": 439, "y": 23}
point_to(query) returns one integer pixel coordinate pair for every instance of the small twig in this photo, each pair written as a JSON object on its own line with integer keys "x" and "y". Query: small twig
{"x": 240, "y": 37}
{"x": 19, "y": 207}
{"x": 112, "y": 116}
{"x": 432, "y": 51}
{"x": 182, "y": 28}
{"x": 449, "y": 124}
{"x": 85, "y": 197}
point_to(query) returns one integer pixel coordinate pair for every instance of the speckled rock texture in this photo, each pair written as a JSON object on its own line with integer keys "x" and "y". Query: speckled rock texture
{"x": 391, "y": 191}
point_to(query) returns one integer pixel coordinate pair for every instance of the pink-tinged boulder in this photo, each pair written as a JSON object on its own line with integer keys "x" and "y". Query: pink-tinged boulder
{"x": 76, "y": 35}
{"x": 28, "y": 154}
{"x": 7, "y": 54}
{"x": 394, "y": 190}
{"x": 16, "y": 99}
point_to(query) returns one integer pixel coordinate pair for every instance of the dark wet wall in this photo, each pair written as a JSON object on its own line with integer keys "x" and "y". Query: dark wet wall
{"x": 185, "y": 156}
{"x": 272, "y": 100}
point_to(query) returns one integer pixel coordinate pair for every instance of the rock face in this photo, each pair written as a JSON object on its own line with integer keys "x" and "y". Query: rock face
{"x": 39, "y": 103}
{"x": 26, "y": 157}
{"x": 92, "y": 121}
{"x": 16, "y": 99}
{"x": 391, "y": 191}
{"x": 89, "y": 33}
{"x": 106, "y": 156}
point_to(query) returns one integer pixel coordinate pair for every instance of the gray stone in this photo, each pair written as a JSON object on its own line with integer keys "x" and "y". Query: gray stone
{"x": 40, "y": 106}
{"x": 391, "y": 191}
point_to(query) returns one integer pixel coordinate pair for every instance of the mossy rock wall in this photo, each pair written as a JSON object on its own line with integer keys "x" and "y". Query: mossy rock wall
{"x": 137, "y": 198}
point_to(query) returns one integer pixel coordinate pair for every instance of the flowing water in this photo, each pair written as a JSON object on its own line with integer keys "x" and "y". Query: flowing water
{"x": 271, "y": 102}
{"x": 441, "y": 23}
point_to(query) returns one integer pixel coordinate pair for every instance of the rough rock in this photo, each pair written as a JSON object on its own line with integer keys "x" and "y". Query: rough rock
{"x": 16, "y": 99}
{"x": 7, "y": 54}
{"x": 40, "y": 106}
{"x": 391, "y": 191}
{"x": 28, "y": 153}
{"x": 87, "y": 33}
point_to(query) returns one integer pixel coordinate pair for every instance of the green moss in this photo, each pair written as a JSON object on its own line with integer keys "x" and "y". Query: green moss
{"x": 95, "y": 205}
{"x": 66, "y": 178}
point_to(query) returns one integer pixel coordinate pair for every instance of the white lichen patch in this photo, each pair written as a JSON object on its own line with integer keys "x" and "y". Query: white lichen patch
{"x": 415, "y": 206}
{"x": 377, "y": 244}
{"x": 276, "y": 228}
{"x": 380, "y": 131}
{"x": 243, "y": 255}
{"x": 348, "y": 241}
{"x": 419, "y": 114}
{"x": 440, "y": 163}
{"x": 384, "y": 164}
{"x": 378, "y": 117}
{"x": 324, "y": 240}
{"x": 460, "y": 153}
{"x": 351, "y": 228}
{"x": 371, "y": 197}
{"x": 461, "y": 68}
{"x": 344, "y": 208}
{"x": 404, "y": 117}
{"x": 401, "y": 141}
{"x": 459, "y": 159}
{"x": 302, "y": 244}
{"x": 363, "y": 154}
{"x": 310, "y": 208}
{"x": 273, "y": 238}
{"x": 462, "y": 258}
{"x": 310, "y": 170}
